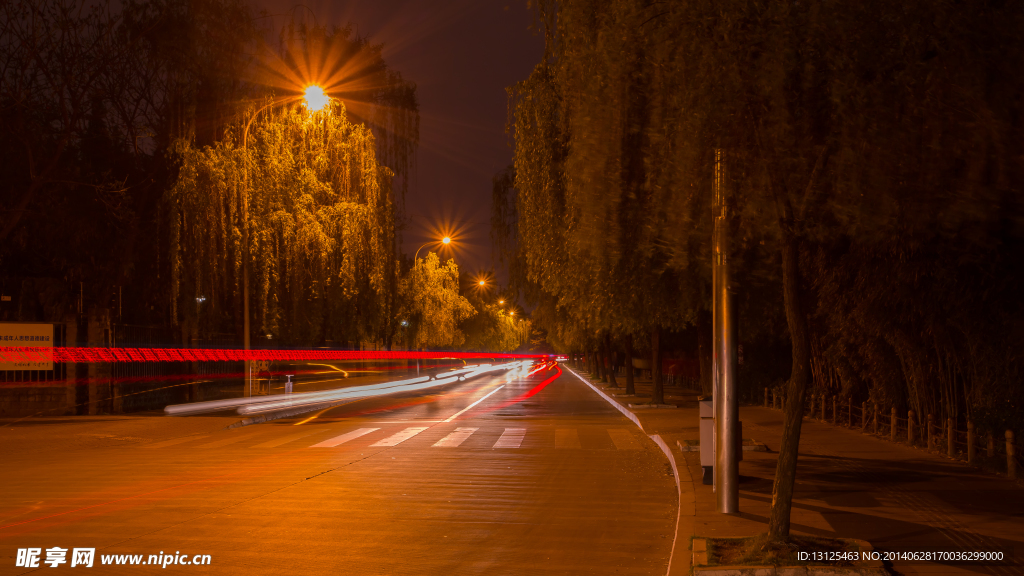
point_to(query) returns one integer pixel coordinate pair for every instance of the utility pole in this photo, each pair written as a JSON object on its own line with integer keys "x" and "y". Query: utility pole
{"x": 727, "y": 413}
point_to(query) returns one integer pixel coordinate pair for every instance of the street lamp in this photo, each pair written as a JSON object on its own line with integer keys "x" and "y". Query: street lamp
{"x": 446, "y": 240}
{"x": 315, "y": 100}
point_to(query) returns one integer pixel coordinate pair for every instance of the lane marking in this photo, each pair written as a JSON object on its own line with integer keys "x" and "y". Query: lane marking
{"x": 396, "y": 439}
{"x": 338, "y": 440}
{"x": 455, "y": 438}
{"x": 166, "y": 443}
{"x": 286, "y": 439}
{"x": 467, "y": 408}
{"x": 511, "y": 438}
{"x": 623, "y": 439}
{"x": 567, "y": 438}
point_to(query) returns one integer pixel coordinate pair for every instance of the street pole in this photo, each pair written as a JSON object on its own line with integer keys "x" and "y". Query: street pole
{"x": 725, "y": 396}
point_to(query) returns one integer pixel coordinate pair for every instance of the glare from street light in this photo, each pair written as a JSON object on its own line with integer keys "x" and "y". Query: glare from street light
{"x": 446, "y": 240}
{"x": 316, "y": 99}
{"x": 501, "y": 301}
{"x": 481, "y": 282}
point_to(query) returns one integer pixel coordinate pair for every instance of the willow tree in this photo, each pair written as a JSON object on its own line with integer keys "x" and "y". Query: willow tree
{"x": 431, "y": 304}
{"x": 600, "y": 230}
{"x": 308, "y": 192}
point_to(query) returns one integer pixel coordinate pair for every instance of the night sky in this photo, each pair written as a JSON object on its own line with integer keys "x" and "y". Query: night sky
{"x": 461, "y": 54}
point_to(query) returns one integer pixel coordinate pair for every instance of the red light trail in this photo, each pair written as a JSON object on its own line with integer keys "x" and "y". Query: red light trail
{"x": 93, "y": 355}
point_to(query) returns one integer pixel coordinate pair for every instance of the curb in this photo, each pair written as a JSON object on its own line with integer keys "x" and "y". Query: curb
{"x": 664, "y": 448}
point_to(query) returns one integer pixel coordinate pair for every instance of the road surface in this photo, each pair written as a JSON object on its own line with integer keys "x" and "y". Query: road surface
{"x": 536, "y": 475}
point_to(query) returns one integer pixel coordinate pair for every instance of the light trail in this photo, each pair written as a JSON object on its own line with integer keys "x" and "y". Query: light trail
{"x": 264, "y": 404}
{"x": 93, "y": 355}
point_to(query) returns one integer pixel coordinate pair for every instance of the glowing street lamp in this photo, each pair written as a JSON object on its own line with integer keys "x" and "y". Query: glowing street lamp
{"x": 315, "y": 99}
{"x": 446, "y": 240}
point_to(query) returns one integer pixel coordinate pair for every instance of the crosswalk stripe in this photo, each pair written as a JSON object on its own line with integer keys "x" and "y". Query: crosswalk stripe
{"x": 166, "y": 443}
{"x": 511, "y": 438}
{"x": 623, "y": 439}
{"x": 455, "y": 438}
{"x": 396, "y": 439}
{"x": 286, "y": 439}
{"x": 338, "y": 440}
{"x": 567, "y": 438}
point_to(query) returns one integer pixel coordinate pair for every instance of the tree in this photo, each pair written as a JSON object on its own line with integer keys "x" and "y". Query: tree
{"x": 320, "y": 221}
{"x": 857, "y": 198}
{"x": 432, "y": 305}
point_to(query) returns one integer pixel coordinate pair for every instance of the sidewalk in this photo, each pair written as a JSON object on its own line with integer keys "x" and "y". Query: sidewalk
{"x": 849, "y": 485}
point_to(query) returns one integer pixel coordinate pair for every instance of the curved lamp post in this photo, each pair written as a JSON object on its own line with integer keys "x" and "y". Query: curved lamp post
{"x": 315, "y": 100}
{"x": 446, "y": 240}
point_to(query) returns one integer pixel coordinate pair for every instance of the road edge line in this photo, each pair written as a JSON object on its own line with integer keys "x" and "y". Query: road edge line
{"x": 664, "y": 448}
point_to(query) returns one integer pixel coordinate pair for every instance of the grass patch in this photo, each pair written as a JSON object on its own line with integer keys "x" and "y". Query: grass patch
{"x": 760, "y": 551}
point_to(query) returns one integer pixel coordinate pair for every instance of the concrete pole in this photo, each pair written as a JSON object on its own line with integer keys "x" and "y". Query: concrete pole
{"x": 970, "y": 443}
{"x": 892, "y": 424}
{"x": 726, "y": 399}
{"x": 910, "y": 427}
{"x": 1011, "y": 462}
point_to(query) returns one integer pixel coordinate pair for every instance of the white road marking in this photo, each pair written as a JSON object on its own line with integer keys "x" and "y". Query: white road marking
{"x": 623, "y": 439}
{"x": 396, "y": 439}
{"x": 466, "y": 409}
{"x": 338, "y": 440}
{"x": 455, "y": 438}
{"x": 511, "y": 438}
{"x": 567, "y": 438}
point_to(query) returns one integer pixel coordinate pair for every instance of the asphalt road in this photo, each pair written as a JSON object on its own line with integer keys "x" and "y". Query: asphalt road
{"x": 535, "y": 475}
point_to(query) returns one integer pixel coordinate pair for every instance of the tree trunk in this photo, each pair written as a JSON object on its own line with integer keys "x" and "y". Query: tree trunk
{"x": 796, "y": 317}
{"x": 629, "y": 365}
{"x": 611, "y": 359}
{"x": 658, "y": 394}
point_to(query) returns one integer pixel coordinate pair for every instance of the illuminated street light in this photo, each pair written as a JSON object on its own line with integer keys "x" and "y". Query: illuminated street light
{"x": 501, "y": 301}
{"x": 315, "y": 99}
{"x": 482, "y": 282}
{"x": 446, "y": 240}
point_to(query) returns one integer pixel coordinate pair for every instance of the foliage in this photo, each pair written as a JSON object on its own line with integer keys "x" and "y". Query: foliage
{"x": 308, "y": 193}
{"x": 871, "y": 163}
{"x": 432, "y": 305}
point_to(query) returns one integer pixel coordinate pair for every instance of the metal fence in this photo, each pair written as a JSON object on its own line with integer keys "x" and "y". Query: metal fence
{"x": 989, "y": 448}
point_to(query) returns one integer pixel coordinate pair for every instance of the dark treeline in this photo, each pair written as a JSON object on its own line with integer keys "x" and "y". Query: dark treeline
{"x": 872, "y": 155}
{"x": 101, "y": 104}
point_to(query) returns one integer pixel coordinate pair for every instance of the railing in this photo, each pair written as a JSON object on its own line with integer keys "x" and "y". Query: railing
{"x": 943, "y": 437}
